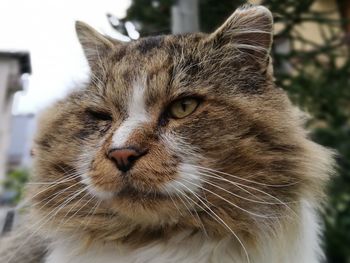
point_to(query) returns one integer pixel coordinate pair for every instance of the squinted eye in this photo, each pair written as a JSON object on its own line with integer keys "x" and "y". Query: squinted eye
{"x": 99, "y": 115}
{"x": 183, "y": 107}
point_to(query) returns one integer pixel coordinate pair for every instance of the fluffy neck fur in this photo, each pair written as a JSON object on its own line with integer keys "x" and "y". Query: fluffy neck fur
{"x": 294, "y": 243}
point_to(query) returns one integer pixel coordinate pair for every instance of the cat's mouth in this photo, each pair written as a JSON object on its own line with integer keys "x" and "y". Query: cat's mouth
{"x": 129, "y": 191}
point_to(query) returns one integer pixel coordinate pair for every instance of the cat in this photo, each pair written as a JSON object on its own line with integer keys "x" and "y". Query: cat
{"x": 179, "y": 149}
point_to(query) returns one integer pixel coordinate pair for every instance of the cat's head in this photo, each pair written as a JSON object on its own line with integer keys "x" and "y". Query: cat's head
{"x": 176, "y": 132}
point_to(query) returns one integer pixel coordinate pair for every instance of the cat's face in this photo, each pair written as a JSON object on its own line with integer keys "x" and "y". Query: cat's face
{"x": 174, "y": 132}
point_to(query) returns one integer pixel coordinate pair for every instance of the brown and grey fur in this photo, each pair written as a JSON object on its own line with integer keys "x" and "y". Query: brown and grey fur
{"x": 244, "y": 126}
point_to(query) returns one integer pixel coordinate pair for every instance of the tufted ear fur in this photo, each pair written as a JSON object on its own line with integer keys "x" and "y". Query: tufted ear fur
{"x": 248, "y": 30}
{"x": 93, "y": 43}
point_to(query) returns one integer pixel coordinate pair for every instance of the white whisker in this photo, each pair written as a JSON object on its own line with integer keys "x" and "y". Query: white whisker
{"x": 189, "y": 210}
{"x": 242, "y": 179}
{"x": 231, "y": 203}
{"x": 239, "y": 196}
{"x": 255, "y": 189}
{"x": 220, "y": 219}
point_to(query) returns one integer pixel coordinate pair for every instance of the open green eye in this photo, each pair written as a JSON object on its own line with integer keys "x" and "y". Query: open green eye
{"x": 183, "y": 107}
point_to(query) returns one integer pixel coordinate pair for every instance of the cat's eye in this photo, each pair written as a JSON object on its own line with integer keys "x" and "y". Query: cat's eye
{"x": 183, "y": 107}
{"x": 99, "y": 115}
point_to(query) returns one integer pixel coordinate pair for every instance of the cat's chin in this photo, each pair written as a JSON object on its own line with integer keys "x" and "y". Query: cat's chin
{"x": 145, "y": 209}
{"x": 133, "y": 193}
{"x": 141, "y": 207}
{"x": 127, "y": 192}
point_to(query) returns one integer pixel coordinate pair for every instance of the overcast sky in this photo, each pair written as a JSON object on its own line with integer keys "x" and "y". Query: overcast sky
{"x": 45, "y": 28}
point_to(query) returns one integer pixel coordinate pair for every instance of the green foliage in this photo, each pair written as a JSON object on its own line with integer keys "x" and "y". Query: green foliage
{"x": 14, "y": 183}
{"x": 321, "y": 86}
{"x": 317, "y": 77}
{"x": 212, "y": 12}
{"x": 153, "y": 15}
{"x": 326, "y": 95}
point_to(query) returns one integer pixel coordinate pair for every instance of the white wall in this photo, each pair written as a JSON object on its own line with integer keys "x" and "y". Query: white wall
{"x": 23, "y": 128}
{"x": 9, "y": 70}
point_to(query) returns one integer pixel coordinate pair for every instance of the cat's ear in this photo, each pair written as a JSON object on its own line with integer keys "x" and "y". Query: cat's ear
{"x": 248, "y": 30}
{"x": 93, "y": 43}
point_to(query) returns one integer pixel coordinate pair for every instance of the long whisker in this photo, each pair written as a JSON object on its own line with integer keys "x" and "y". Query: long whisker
{"x": 231, "y": 203}
{"x": 242, "y": 179}
{"x": 236, "y": 195}
{"x": 241, "y": 187}
{"x": 81, "y": 207}
{"x": 54, "y": 182}
{"x": 42, "y": 222}
{"x": 23, "y": 204}
{"x": 255, "y": 189}
{"x": 89, "y": 215}
{"x": 53, "y": 196}
{"x": 172, "y": 200}
{"x": 189, "y": 210}
{"x": 213, "y": 215}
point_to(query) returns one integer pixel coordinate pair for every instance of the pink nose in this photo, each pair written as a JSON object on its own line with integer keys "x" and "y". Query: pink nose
{"x": 124, "y": 157}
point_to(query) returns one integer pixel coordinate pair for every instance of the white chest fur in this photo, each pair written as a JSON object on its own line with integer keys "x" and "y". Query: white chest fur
{"x": 302, "y": 247}
{"x": 174, "y": 251}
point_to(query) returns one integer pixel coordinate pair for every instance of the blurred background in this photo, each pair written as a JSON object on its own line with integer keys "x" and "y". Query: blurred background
{"x": 41, "y": 60}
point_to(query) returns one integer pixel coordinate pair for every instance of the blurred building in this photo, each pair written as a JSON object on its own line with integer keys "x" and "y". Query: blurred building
{"x": 12, "y": 66}
{"x": 22, "y": 132}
